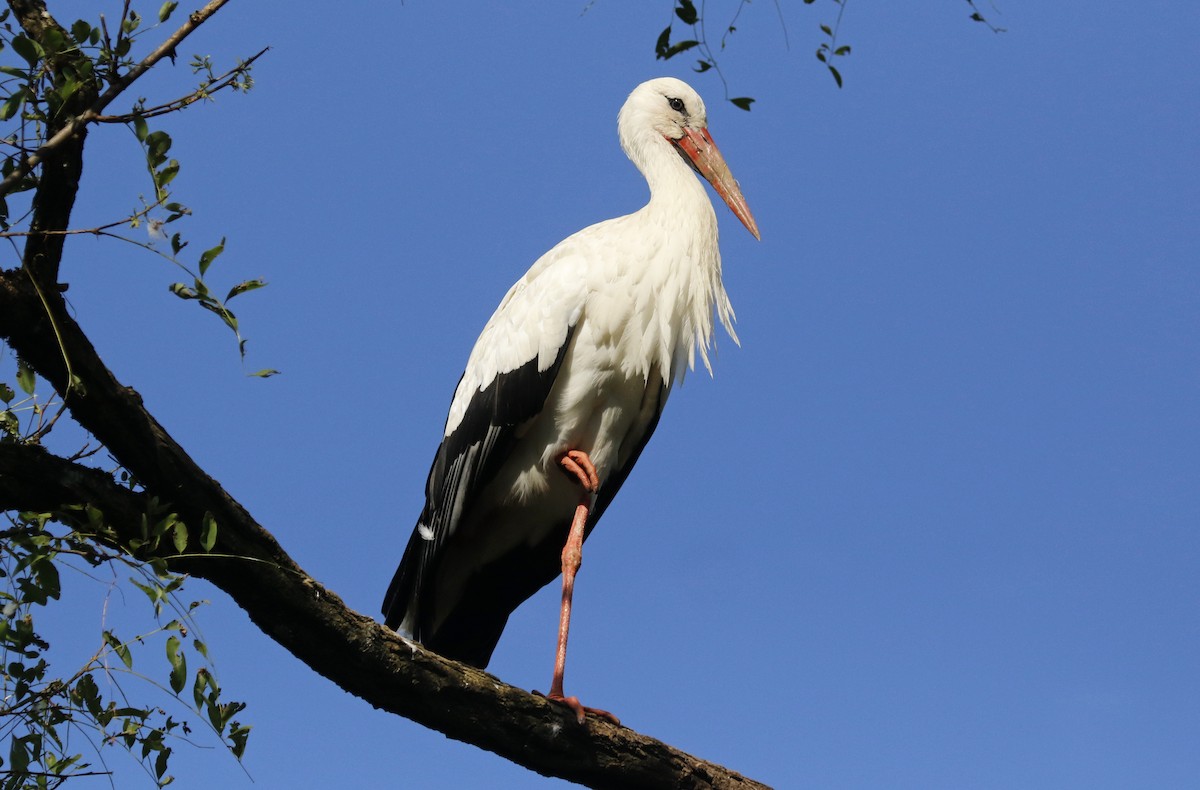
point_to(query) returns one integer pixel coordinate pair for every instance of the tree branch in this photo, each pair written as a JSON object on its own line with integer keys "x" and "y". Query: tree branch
{"x": 35, "y": 9}
{"x": 63, "y": 164}
{"x": 354, "y": 651}
{"x": 204, "y": 91}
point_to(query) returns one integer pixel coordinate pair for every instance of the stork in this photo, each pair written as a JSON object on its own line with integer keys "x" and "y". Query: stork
{"x": 562, "y": 390}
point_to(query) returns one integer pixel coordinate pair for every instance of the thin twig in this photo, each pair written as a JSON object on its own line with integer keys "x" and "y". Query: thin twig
{"x": 783, "y": 26}
{"x": 71, "y": 377}
{"x": 217, "y": 84}
{"x": 95, "y": 231}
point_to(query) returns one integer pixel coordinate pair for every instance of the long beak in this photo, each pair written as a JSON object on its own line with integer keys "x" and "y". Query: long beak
{"x": 698, "y": 146}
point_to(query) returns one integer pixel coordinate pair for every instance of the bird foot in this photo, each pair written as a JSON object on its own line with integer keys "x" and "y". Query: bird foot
{"x": 579, "y": 709}
{"x": 577, "y": 464}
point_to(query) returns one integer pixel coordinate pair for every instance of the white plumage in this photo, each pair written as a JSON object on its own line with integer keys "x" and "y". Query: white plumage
{"x": 579, "y": 356}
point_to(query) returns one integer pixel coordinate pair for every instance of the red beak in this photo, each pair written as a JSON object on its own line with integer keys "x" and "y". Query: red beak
{"x": 702, "y": 152}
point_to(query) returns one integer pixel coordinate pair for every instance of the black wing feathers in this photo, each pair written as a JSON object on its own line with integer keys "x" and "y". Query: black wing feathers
{"x": 465, "y": 462}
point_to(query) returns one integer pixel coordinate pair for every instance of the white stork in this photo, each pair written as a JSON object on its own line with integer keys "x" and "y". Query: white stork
{"x": 564, "y": 387}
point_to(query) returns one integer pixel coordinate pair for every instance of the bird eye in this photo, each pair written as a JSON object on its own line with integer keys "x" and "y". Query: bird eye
{"x": 676, "y": 104}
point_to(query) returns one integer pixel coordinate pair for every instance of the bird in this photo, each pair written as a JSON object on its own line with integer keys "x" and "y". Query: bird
{"x": 563, "y": 389}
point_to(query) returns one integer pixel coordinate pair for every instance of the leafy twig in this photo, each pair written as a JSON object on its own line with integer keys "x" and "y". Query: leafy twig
{"x": 209, "y": 87}
{"x": 118, "y": 86}
{"x": 828, "y": 50}
{"x": 687, "y": 13}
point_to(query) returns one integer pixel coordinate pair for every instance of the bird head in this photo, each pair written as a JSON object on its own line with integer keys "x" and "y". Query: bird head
{"x": 667, "y": 109}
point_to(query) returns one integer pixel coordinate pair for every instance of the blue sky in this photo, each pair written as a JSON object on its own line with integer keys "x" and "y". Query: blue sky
{"x": 933, "y": 525}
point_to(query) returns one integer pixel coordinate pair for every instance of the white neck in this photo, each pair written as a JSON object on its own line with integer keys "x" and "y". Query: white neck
{"x": 680, "y": 206}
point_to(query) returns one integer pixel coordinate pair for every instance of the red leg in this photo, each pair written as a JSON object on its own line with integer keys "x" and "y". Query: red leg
{"x": 577, "y": 464}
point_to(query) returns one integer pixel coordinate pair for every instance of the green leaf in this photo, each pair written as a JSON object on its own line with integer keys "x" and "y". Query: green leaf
{"x": 164, "y": 177}
{"x": 686, "y": 11}
{"x": 27, "y": 48}
{"x": 663, "y": 44}
{"x": 81, "y": 31}
{"x": 183, "y": 292}
{"x": 179, "y": 536}
{"x": 47, "y": 577}
{"x": 157, "y": 145}
{"x": 203, "y": 681}
{"x": 229, "y": 318}
{"x": 53, "y": 41}
{"x": 88, "y": 693}
{"x": 164, "y": 13}
{"x": 160, "y": 766}
{"x": 119, "y": 648}
{"x": 238, "y": 734}
{"x": 742, "y": 102}
{"x": 131, "y": 22}
{"x": 9, "y": 423}
{"x": 66, "y": 90}
{"x": 84, "y": 69}
{"x": 153, "y": 592}
{"x": 168, "y": 173}
{"x": 178, "y": 663}
{"x": 842, "y": 50}
{"x": 12, "y": 104}
{"x": 208, "y": 532}
{"x": 675, "y": 49}
{"x": 210, "y": 255}
{"x": 265, "y": 373}
{"x": 243, "y": 287}
{"x": 702, "y": 66}
{"x": 158, "y": 565}
{"x": 18, "y": 756}
{"x": 6, "y": 393}
{"x": 837, "y": 77}
{"x": 12, "y": 71}
{"x": 26, "y": 379}
{"x": 226, "y": 315}
{"x": 163, "y": 525}
{"x": 140, "y": 130}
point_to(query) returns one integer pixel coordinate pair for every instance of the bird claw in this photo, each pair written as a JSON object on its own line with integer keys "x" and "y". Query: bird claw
{"x": 577, "y": 464}
{"x": 580, "y": 710}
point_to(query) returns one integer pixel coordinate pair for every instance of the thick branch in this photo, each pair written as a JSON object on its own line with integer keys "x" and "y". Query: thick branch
{"x": 62, "y": 165}
{"x": 354, "y": 651}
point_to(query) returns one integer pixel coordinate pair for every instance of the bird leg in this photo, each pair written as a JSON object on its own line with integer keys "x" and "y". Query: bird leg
{"x": 577, "y": 464}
